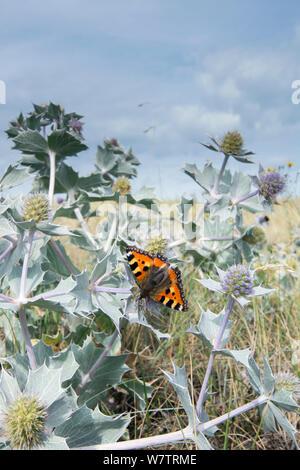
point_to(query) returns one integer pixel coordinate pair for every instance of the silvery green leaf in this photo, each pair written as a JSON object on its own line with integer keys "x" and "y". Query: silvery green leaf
{"x": 44, "y": 383}
{"x": 54, "y": 443}
{"x": 253, "y": 374}
{"x": 244, "y": 159}
{"x": 241, "y": 186}
{"x": 257, "y": 291}
{"x": 244, "y": 249}
{"x": 110, "y": 305}
{"x": 55, "y": 264}
{"x": 31, "y": 142}
{"x": 209, "y": 327}
{"x": 64, "y": 360}
{"x": 33, "y": 280}
{"x": 269, "y": 380}
{"x": 284, "y": 399}
{"x": 64, "y": 144}
{"x": 267, "y": 416}
{"x": 25, "y": 225}
{"x": 61, "y": 409}
{"x": 9, "y": 390}
{"x": 253, "y": 204}
{"x": 108, "y": 374}
{"x": 180, "y": 384}
{"x": 284, "y": 423}
{"x": 106, "y": 263}
{"x": 10, "y": 324}
{"x": 7, "y": 227}
{"x": 86, "y": 428}
{"x": 13, "y": 176}
{"x": 145, "y": 193}
{"x": 220, "y": 272}
{"x": 221, "y": 208}
{"x": 105, "y": 159}
{"x": 211, "y": 285}
{"x": 81, "y": 292}
{"x": 241, "y": 356}
{"x": 205, "y": 179}
{"x": 54, "y": 230}
{"x": 57, "y": 301}
{"x": 67, "y": 178}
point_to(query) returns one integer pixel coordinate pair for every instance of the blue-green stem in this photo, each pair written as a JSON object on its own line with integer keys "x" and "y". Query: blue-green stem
{"x": 216, "y": 346}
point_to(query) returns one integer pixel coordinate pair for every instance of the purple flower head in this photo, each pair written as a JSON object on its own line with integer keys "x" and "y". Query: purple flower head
{"x": 270, "y": 184}
{"x": 76, "y": 125}
{"x": 238, "y": 281}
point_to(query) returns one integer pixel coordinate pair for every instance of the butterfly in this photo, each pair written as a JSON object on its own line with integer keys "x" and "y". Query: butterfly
{"x": 156, "y": 278}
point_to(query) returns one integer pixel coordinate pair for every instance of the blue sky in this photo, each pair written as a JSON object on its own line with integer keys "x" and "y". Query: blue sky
{"x": 201, "y": 68}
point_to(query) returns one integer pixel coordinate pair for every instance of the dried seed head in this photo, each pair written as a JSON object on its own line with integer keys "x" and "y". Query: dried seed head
{"x": 36, "y": 207}
{"x": 237, "y": 281}
{"x": 122, "y": 185}
{"x": 232, "y": 143}
{"x": 270, "y": 184}
{"x": 24, "y": 423}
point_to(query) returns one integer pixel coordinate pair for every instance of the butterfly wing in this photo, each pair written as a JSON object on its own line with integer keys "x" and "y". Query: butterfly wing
{"x": 140, "y": 263}
{"x": 156, "y": 278}
{"x": 173, "y": 296}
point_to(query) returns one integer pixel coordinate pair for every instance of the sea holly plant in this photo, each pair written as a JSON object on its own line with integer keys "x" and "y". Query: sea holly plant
{"x": 62, "y": 327}
{"x": 226, "y": 196}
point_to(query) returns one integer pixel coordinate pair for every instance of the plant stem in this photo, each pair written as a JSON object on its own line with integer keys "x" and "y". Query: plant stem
{"x": 113, "y": 290}
{"x": 5, "y": 298}
{"x": 52, "y": 158}
{"x": 185, "y": 434}
{"x": 22, "y": 299}
{"x": 22, "y": 295}
{"x": 27, "y": 340}
{"x": 12, "y": 245}
{"x": 85, "y": 227}
{"x": 211, "y": 357}
{"x": 214, "y": 192}
{"x": 244, "y": 198}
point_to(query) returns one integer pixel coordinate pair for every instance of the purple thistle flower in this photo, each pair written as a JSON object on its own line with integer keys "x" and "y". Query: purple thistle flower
{"x": 237, "y": 281}
{"x": 270, "y": 184}
{"x": 76, "y": 125}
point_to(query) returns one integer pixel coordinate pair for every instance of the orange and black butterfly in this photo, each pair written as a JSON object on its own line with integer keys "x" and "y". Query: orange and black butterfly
{"x": 156, "y": 278}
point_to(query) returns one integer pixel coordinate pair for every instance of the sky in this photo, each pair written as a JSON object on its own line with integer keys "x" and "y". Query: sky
{"x": 160, "y": 76}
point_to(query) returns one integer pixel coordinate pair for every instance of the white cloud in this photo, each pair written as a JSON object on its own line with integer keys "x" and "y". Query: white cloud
{"x": 196, "y": 118}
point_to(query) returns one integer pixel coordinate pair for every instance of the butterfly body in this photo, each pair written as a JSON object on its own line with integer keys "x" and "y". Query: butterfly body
{"x": 156, "y": 278}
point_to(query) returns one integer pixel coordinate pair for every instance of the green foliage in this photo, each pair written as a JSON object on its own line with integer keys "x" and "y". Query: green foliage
{"x": 63, "y": 329}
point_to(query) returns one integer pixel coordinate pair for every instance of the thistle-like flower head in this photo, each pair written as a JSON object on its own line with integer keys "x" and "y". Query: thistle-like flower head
{"x": 31, "y": 409}
{"x": 238, "y": 281}
{"x": 25, "y": 422}
{"x": 270, "y": 184}
{"x": 122, "y": 184}
{"x": 256, "y": 236}
{"x": 232, "y": 143}
{"x": 36, "y": 207}
{"x": 156, "y": 244}
{"x": 288, "y": 382}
